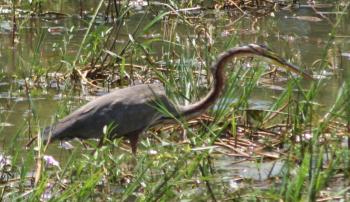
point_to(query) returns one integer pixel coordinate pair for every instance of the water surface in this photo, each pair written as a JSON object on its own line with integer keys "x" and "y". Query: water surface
{"x": 300, "y": 35}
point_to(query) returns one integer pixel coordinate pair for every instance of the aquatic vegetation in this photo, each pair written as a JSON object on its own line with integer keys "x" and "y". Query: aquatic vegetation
{"x": 273, "y": 136}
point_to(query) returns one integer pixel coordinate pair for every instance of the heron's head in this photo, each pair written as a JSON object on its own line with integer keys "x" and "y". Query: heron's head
{"x": 265, "y": 52}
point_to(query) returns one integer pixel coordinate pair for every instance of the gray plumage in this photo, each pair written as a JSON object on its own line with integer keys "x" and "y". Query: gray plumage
{"x": 133, "y": 109}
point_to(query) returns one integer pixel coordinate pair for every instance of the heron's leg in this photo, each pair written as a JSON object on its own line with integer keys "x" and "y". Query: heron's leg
{"x": 100, "y": 143}
{"x": 133, "y": 138}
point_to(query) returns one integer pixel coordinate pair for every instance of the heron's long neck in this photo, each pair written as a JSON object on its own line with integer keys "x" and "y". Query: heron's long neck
{"x": 199, "y": 107}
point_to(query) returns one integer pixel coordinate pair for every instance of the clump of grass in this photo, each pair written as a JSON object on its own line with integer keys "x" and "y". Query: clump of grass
{"x": 166, "y": 169}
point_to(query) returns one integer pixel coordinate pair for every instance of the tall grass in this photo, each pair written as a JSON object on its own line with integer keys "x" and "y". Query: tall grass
{"x": 171, "y": 168}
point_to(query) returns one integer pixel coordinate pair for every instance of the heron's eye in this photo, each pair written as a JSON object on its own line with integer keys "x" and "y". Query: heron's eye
{"x": 264, "y": 47}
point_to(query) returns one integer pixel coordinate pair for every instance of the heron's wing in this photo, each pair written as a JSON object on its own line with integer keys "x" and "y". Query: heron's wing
{"x": 130, "y": 109}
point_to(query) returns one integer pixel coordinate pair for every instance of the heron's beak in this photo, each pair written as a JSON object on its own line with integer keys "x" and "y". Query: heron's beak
{"x": 277, "y": 60}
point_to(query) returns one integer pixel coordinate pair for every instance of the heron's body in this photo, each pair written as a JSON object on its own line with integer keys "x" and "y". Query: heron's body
{"x": 122, "y": 109}
{"x": 131, "y": 110}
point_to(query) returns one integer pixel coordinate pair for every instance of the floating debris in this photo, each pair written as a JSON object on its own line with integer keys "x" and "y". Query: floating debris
{"x": 152, "y": 152}
{"x": 331, "y": 13}
{"x": 50, "y": 161}
{"x": 306, "y": 18}
{"x": 317, "y": 6}
{"x": 66, "y": 145}
{"x": 5, "y": 10}
{"x": 48, "y": 193}
{"x": 5, "y": 124}
{"x": 323, "y": 75}
{"x": 6, "y": 26}
{"x": 138, "y": 4}
{"x": 5, "y": 95}
{"x": 4, "y": 83}
{"x": 346, "y": 55}
{"x": 51, "y": 15}
{"x": 57, "y": 30}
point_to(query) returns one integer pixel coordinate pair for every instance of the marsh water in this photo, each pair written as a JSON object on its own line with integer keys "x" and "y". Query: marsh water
{"x": 301, "y": 35}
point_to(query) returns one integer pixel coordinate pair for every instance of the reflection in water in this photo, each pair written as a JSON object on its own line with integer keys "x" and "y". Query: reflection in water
{"x": 248, "y": 169}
